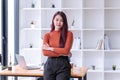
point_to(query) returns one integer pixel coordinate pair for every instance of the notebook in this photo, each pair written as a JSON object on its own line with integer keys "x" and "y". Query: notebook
{"x": 22, "y": 63}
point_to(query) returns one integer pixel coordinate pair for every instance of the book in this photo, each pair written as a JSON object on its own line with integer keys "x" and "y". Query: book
{"x": 99, "y": 44}
{"x": 106, "y": 42}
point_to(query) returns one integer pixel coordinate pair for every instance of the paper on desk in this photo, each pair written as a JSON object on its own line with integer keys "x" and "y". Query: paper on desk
{"x": 76, "y": 70}
{"x": 41, "y": 68}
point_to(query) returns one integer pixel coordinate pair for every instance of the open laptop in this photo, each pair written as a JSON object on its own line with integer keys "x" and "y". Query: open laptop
{"x": 22, "y": 63}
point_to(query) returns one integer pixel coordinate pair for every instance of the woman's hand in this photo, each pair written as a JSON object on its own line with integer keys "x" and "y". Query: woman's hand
{"x": 70, "y": 54}
{"x": 47, "y": 47}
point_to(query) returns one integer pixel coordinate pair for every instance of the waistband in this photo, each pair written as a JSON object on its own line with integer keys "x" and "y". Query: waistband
{"x": 65, "y": 57}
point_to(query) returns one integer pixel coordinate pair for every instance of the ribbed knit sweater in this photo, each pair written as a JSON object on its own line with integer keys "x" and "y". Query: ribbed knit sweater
{"x": 52, "y": 38}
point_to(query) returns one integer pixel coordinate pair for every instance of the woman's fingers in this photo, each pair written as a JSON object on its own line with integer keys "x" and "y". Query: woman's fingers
{"x": 47, "y": 44}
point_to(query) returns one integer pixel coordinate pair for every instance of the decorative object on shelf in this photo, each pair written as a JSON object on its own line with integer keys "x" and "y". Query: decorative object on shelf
{"x": 76, "y": 43}
{"x": 100, "y": 44}
{"x": 32, "y": 24}
{"x": 32, "y": 5}
{"x": 106, "y": 42}
{"x": 30, "y": 45}
{"x": 73, "y": 24}
{"x": 113, "y": 67}
{"x": 53, "y": 5}
{"x": 93, "y": 67}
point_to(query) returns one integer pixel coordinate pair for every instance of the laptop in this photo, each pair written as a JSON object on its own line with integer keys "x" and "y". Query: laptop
{"x": 22, "y": 63}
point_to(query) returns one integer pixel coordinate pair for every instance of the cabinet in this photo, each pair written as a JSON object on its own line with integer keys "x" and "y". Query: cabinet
{"x": 93, "y": 20}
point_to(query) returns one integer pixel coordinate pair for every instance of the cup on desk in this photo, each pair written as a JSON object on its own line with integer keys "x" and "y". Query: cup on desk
{"x": 41, "y": 68}
{"x": 93, "y": 67}
{"x": 9, "y": 68}
{"x": 13, "y": 68}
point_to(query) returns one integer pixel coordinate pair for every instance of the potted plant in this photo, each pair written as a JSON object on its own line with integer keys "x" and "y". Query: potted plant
{"x": 31, "y": 45}
{"x": 93, "y": 67}
{"x": 32, "y": 24}
{"x": 114, "y": 67}
{"x": 33, "y": 4}
{"x": 53, "y": 5}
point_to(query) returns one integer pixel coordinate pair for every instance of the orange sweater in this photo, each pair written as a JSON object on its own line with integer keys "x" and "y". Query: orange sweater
{"x": 52, "y": 38}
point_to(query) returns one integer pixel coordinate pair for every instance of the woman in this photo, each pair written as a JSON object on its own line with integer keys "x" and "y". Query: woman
{"x": 56, "y": 45}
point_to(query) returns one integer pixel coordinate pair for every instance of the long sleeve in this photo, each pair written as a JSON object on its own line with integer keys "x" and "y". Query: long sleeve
{"x": 47, "y": 52}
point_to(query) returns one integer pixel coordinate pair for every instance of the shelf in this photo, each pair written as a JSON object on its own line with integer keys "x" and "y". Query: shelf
{"x": 93, "y": 8}
{"x": 28, "y": 3}
{"x": 95, "y": 71}
{"x": 113, "y": 76}
{"x": 76, "y": 50}
{"x": 76, "y": 58}
{"x": 111, "y": 58}
{"x": 26, "y": 19}
{"x": 112, "y": 3}
{"x": 112, "y": 50}
{"x": 74, "y": 15}
{"x": 51, "y": 4}
{"x": 92, "y": 50}
{"x": 97, "y": 4}
{"x": 112, "y": 8}
{"x": 113, "y": 39}
{"x": 71, "y": 3}
{"x": 91, "y": 39}
{"x": 30, "y": 9}
{"x": 30, "y": 49}
{"x": 112, "y": 18}
{"x": 93, "y": 19}
{"x": 97, "y": 76}
{"x": 26, "y": 39}
{"x": 93, "y": 57}
{"x": 112, "y": 71}
{"x": 31, "y": 29}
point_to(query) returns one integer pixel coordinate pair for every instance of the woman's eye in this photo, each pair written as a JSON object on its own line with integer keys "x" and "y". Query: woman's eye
{"x": 56, "y": 19}
{"x": 61, "y": 20}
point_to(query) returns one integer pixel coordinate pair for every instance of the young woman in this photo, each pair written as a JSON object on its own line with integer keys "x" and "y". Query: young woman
{"x": 56, "y": 45}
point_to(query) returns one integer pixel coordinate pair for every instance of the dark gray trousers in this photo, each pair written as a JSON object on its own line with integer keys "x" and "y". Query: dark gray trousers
{"x": 57, "y": 68}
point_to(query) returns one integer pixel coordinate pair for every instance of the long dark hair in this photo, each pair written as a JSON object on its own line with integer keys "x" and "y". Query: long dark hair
{"x": 64, "y": 29}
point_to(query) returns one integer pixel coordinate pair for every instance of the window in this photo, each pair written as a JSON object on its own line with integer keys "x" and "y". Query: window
{"x": 0, "y": 27}
{"x": 11, "y": 30}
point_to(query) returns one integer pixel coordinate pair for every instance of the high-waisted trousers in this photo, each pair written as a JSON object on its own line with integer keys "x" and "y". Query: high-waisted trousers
{"x": 57, "y": 68}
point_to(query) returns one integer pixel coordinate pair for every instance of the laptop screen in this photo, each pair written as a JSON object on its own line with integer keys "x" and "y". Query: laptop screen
{"x": 21, "y": 61}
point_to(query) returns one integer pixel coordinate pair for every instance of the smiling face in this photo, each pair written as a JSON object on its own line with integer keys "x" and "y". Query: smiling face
{"x": 58, "y": 22}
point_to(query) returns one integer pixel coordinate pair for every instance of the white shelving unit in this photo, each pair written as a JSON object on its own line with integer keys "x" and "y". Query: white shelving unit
{"x": 92, "y": 20}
